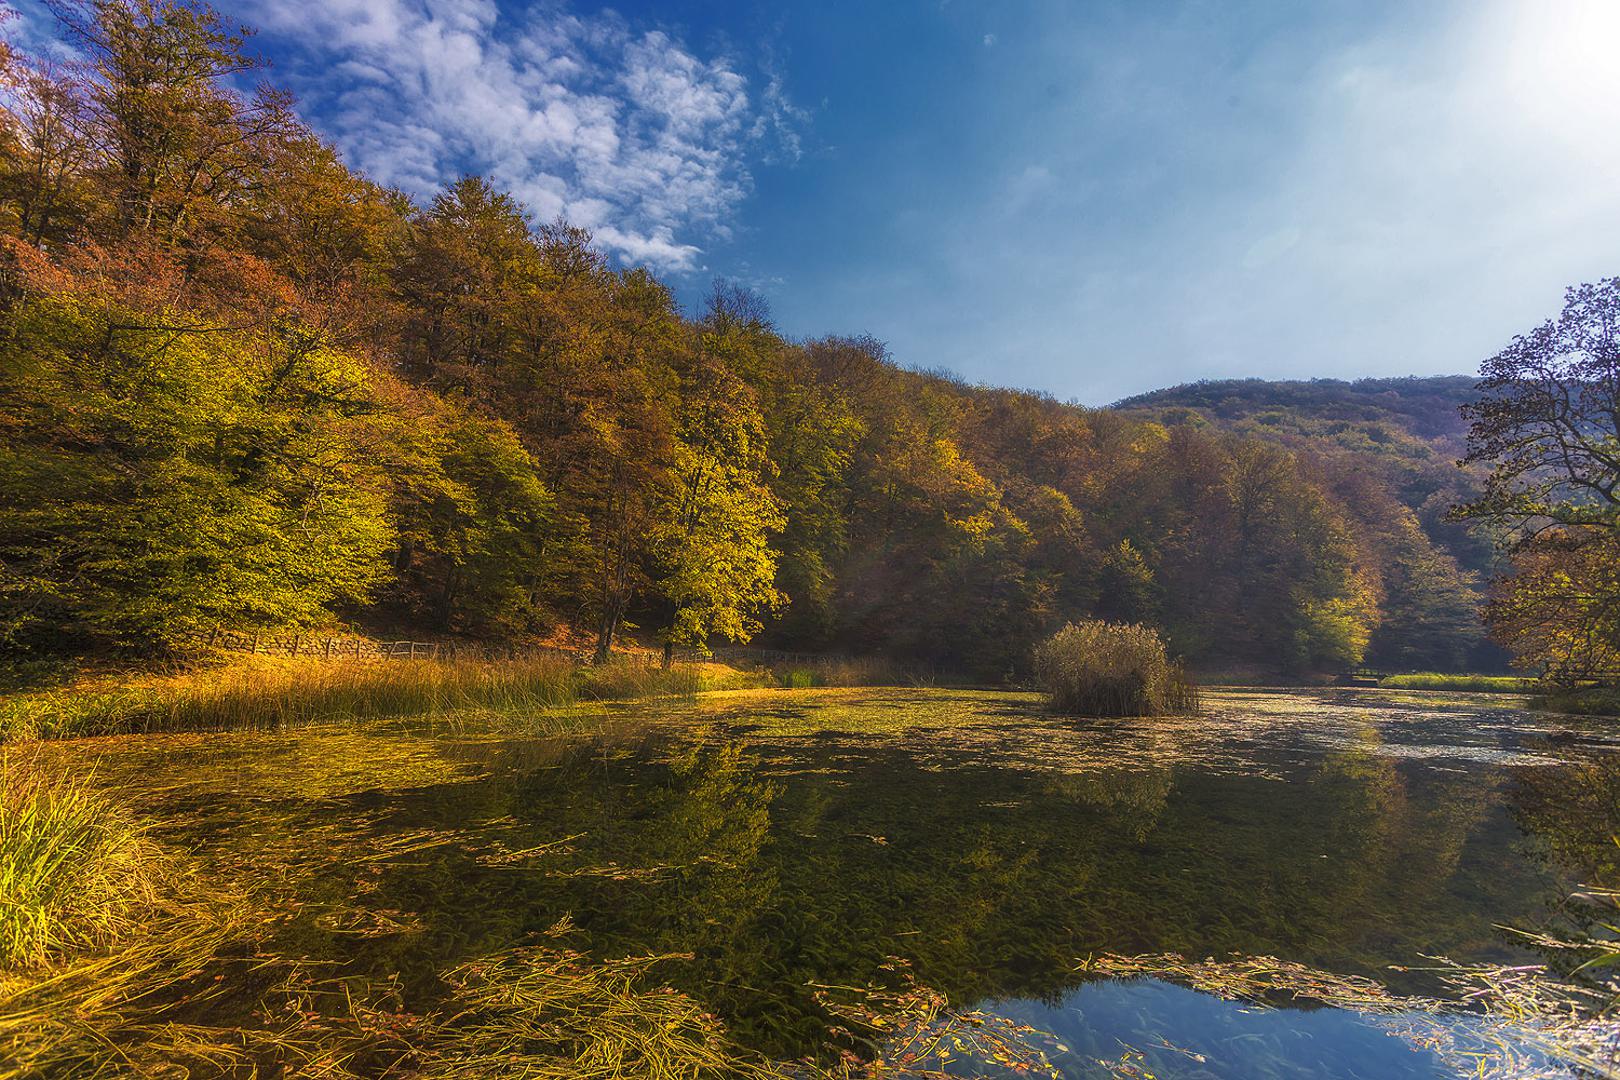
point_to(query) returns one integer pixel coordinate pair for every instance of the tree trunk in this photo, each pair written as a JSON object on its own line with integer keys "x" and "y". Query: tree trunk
{"x": 604, "y": 635}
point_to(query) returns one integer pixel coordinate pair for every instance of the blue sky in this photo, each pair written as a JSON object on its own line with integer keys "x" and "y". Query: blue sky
{"x": 1091, "y": 199}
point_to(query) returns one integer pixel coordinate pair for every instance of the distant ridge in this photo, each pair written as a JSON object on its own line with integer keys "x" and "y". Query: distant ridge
{"x": 1423, "y": 406}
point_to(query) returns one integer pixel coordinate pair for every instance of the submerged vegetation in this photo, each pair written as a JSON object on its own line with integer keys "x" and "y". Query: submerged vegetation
{"x": 1525, "y": 1022}
{"x": 1111, "y": 669}
{"x": 361, "y": 900}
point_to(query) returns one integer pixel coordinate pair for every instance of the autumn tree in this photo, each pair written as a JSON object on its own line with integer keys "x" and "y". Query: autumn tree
{"x": 165, "y": 473}
{"x": 177, "y": 148}
{"x": 716, "y": 566}
{"x": 1548, "y": 424}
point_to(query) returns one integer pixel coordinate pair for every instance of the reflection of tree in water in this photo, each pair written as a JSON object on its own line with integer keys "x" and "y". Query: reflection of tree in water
{"x": 1139, "y": 795}
{"x": 778, "y": 865}
{"x": 776, "y": 872}
{"x": 1572, "y": 814}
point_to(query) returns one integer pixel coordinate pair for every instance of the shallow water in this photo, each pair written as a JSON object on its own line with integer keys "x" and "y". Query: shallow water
{"x": 785, "y": 842}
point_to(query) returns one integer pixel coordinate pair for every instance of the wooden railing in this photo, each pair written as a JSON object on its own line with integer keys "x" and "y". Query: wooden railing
{"x": 349, "y": 647}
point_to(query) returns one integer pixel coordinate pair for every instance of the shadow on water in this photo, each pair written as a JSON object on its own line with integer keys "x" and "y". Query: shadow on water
{"x": 783, "y": 842}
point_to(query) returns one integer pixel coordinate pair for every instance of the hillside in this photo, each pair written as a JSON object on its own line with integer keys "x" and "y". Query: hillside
{"x": 298, "y": 399}
{"x": 1408, "y": 431}
{"x": 1423, "y": 408}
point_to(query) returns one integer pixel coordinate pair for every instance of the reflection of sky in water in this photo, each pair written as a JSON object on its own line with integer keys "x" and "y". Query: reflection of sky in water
{"x": 1182, "y": 1034}
{"x": 784, "y": 839}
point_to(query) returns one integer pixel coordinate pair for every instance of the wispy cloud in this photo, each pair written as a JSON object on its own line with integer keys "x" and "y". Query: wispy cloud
{"x": 625, "y": 131}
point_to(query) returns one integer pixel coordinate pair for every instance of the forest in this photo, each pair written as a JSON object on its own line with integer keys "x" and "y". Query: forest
{"x": 244, "y": 387}
{"x": 1039, "y": 704}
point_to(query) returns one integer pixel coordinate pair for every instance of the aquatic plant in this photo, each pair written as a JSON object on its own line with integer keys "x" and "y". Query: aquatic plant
{"x": 541, "y": 1012}
{"x": 904, "y": 1028}
{"x": 1520, "y": 1016}
{"x": 1096, "y": 668}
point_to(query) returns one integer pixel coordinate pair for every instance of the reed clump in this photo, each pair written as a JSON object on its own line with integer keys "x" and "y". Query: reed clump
{"x": 75, "y": 871}
{"x": 1097, "y": 668}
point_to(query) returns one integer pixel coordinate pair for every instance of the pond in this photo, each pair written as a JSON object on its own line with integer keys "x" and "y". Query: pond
{"x": 795, "y": 856}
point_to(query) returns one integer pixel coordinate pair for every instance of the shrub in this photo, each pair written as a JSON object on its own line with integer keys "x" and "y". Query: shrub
{"x": 1096, "y": 668}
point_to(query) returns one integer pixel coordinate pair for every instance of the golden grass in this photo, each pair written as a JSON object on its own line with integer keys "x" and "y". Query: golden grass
{"x": 75, "y": 871}
{"x": 265, "y": 693}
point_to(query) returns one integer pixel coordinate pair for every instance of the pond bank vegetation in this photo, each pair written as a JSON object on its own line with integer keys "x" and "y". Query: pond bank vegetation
{"x": 258, "y": 692}
{"x": 1436, "y": 680}
{"x": 1096, "y": 668}
{"x": 1587, "y": 701}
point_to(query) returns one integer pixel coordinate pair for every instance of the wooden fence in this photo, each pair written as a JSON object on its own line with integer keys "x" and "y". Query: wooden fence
{"x": 351, "y": 647}
{"x": 346, "y": 647}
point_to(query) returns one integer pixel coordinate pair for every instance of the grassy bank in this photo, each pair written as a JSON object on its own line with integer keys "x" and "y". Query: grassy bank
{"x": 1434, "y": 680}
{"x": 257, "y": 692}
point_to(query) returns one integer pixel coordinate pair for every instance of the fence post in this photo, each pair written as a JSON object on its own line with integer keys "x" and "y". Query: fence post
{"x": 294, "y": 650}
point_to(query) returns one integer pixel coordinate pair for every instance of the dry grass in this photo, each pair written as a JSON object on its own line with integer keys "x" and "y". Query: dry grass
{"x": 1096, "y": 668}
{"x": 264, "y": 693}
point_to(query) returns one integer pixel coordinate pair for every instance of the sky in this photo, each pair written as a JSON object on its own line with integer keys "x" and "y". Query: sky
{"x": 1090, "y": 199}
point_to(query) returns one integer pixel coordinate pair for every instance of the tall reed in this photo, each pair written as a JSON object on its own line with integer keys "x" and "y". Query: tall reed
{"x": 269, "y": 694}
{"x": 1097, "y": 668}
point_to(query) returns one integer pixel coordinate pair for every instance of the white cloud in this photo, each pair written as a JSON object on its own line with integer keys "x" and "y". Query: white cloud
{"x": 628, "y": 133}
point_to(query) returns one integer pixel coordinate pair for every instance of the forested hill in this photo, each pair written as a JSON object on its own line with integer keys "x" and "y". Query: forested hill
{"x": 1409, "y": 432}
{"x": 1425, "y": 408}
{"x": 243, "y": 386}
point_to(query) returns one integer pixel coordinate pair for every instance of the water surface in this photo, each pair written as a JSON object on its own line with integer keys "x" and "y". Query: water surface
{"x": 778, "y": 844}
